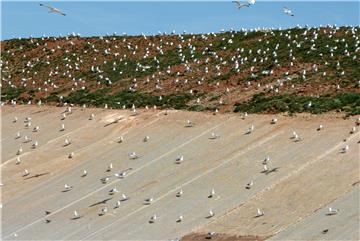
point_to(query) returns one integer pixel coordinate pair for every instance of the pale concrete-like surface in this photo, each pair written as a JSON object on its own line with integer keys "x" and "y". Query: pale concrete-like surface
{"x": 342, "y": 226}
{"x": 309, "y": 175}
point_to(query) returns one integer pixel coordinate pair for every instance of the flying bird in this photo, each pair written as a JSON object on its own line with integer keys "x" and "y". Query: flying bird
{"x": 240, "y": 4}
{"x": 289, "y": 12}
{"x": 53, "y": 10}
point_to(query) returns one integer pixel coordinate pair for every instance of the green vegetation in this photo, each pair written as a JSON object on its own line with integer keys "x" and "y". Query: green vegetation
{"x": 10, "y": 93}
{"x": 347, "y": 102}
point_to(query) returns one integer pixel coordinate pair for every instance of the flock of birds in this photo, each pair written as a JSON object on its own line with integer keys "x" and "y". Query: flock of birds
{"x": 122, "y": 51}
{"x": 238, "y": 3}
{"x": 132, "y": 155}
{"x": 197, "y": 67}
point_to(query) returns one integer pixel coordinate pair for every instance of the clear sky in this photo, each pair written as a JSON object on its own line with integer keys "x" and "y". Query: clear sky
{"x": 22, "y": 19}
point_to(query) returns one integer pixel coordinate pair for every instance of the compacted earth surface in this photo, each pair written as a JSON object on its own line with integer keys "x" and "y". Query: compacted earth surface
{"x": 176, "y": 158}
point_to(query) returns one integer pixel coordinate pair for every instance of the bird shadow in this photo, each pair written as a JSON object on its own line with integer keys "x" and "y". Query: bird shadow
{"x": 210, "y": 216}
{"x": 101, "y": 202}
{"x": 75, "y": 218}
{"x": 272, "y": 170}
{"x": 66, "y": 190}
{"x": 37, "y": 175}
{"x": 259, "y": 215}
{"x": 331, "y": 214}
{"x": 113, "y": 122}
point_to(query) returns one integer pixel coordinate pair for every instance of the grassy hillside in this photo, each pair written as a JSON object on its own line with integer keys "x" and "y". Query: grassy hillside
{"x": 257, "y": 71}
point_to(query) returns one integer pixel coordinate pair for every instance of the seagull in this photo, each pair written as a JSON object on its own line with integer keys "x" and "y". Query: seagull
{"x": 211, "y": 214}
{"x": 189, "y": 123}
{"x": 289, "y": 12}
{"x": 179, "y": 219}
{"x": 273, "y": 121}
{"x": 121, "y": 139}
{"x": 113, "y": 191}
{"x": 76, "y": 215}
{"x": 260, "y": 212}
{"x": 84, "y": 173}
{"x": 249, "y": 185}
{"x": 320, "y": 127}
{"x": 133, "y": 155}
{"x": 18, "y": 161}
{"x": 120, "y": 174}
{"x": 148, "y": 201}
{"x": 26, "y": 173}
{"x": 124, "y": 197}
{"x": 109, "y": 167}
{"x": 240, "y": 5}
{"x": 179, "y": 159}
{"x": 251, "y": 129}
{"x": 105, "y": 179}
{"x": 265, "y": 168}
{"x": 53, "y": 10}
{"x": 67, "y": 188}
{"x": 67, "y": 142}
{"x": 214, "y": 136}
{"x": 153, "y": 219}
{"x": 345, "y": 148}
{"x": 117, "y": 205}
{"x": 19, "y": 151}
{"x": 212, "y": 193}
{"x": 332, "y": 211}
{"x": 103, "y": 211}
{"x": 179, "y": 193}
{"x": 353, "y": 130}
{"x": 266, "y": 160}
{"x": 146, "y": 138}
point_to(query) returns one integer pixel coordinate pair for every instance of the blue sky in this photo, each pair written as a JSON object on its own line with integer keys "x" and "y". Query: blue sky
{"x": 22, "y": 19}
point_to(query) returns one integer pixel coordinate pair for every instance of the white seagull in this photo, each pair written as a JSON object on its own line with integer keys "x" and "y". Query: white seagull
{"x": 84, "y": 173}
{"x": 133, "y": 155}
{"x": 153, "y": 219}
{"x": 260, "y": 212}
{"x": 240, "y": 4}
{"x": 211, "y": 213}
{"x": 214, "y": 136}
{"x": 118, "y": 203}
{"x": 212, "y": 193}
{"x": 180, "y": 218}
{"x": 249, "y": 185}
{"x": 179, "y": 159}
{"x": 148, "y": 201}
{"x": 332, "y": 211}
{"x": 113, "y": 191}
{"x": 52, "y": 9}
{"x": 289, "y": 12}
{"x": 179, "y": 193}
{"x": 67, "y": 188}
{"x": 26, "y": 173}
{"x": 76, "y": 215}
